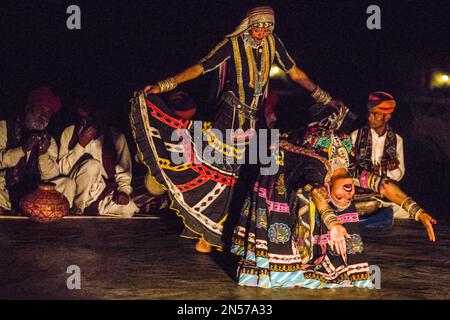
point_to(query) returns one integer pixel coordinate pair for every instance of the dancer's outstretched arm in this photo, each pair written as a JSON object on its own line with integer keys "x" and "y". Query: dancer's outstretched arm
{"x": 393, "y": 193}
{"x": 170, "y": 83}
{"x": 300, "y": 77}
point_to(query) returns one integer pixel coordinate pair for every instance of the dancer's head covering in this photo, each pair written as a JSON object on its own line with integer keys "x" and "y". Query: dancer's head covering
{"x": 260, "y": 17}
{"x": 381, "y": 102}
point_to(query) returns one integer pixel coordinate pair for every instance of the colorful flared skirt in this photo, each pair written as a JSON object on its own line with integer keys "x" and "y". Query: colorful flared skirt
{"x": 192, "y": 160}
{"x": 272, "y": 251}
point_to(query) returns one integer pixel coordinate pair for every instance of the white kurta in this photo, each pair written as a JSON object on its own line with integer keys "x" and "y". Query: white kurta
{"x": 9, "y": 158}
{"x": 90, "y": 175}
{"x": 377, "y": 154}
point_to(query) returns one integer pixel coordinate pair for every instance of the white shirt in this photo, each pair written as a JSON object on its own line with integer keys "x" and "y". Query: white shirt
{"x": 68, "y": 158}
{"x": 377, "y": 153}
{"x": 9, "y": 158}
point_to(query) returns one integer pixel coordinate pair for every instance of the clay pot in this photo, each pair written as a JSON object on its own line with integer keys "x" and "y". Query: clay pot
{"x": 45, "y": 204}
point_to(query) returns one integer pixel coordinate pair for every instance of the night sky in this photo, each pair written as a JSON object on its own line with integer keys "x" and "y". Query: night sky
{"x": 123, "y": 45}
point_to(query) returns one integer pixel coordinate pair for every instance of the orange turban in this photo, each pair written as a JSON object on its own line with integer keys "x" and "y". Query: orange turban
{"x": 381, "y": 102}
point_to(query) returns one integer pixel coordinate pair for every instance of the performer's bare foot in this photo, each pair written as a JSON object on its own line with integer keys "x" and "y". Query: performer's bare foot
{"x": 202, "y": 246}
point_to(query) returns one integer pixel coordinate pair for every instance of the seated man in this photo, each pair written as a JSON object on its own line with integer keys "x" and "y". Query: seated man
{"x": 97, "y": 158}
{"x": 379, "y": 149}
{"x": 28, "y": 154}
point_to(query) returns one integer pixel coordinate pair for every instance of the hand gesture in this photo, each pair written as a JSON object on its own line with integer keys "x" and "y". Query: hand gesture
{"x": 428, "y": 222}
{"x": 86, "y": 135}
{"x": 151, "y": 89}
{"x": 390, "y": 164}
{"x": 44, "y": 143}
{"x": 338, "y": 234}
{"x": 121, "y": 198}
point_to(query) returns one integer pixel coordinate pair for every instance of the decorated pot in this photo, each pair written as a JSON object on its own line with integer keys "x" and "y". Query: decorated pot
{"x": 45, "y": 204}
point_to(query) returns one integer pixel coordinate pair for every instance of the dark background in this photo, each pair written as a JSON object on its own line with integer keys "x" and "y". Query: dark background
{"x": 123, "y": 45}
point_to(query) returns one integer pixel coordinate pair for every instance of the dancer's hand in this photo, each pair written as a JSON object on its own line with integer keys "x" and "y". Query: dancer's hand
{"x": 428, "y": 222}
{"x": 336, "y": 104}
{"x": 338, "y": 234}
{"x": 151, "y": 89}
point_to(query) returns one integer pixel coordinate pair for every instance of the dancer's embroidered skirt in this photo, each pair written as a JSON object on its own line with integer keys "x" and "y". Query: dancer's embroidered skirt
{"x": 272, "y": 248}
{"x": 192, "y": 160}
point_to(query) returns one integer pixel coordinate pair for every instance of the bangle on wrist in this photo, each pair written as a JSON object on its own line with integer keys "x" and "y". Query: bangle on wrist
{"x": 168, "y": 84}
{"x": 321, "y": 96}
{"x": 413, "y": 209}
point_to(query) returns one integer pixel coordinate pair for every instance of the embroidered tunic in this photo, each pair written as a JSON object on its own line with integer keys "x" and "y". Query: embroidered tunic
{"x": 247, "y": 68}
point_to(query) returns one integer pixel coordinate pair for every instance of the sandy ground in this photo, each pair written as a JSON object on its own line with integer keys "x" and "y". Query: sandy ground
{"x": 145, "y": 259}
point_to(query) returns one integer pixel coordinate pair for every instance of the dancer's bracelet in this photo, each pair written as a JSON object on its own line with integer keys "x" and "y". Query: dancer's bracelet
{"x": 329, "y": 218}
{"x": 413, "y": 209}
{"x": 321, "y": 96}
{"x": 168, "y": 84}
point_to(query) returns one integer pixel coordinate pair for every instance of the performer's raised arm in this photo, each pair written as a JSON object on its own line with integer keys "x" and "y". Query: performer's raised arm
{"x": 171, "y": 83}
{"x": 391, "y": 191}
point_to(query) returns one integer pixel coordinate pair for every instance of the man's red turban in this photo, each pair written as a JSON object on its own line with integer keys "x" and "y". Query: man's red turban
{"x": 43, "y": 96}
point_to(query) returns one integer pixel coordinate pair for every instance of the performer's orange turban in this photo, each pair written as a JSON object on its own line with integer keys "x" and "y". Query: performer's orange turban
{"x": 381, "y": 102}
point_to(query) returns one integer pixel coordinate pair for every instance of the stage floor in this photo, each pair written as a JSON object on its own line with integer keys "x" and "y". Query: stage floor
{"x": 145, "y": 259}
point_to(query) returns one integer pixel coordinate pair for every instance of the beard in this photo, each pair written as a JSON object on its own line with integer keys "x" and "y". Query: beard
{"x": 35, "y": 124}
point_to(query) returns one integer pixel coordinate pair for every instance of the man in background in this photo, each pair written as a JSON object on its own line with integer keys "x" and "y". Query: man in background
{"x": 379, "y": 149}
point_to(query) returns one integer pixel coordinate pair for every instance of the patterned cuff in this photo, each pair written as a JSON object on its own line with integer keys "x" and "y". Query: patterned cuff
{"x": 372, "y": 181}
{"x": 413, "y": 209}
{"x": 321, "y": 96}
{"x": 168, "y": 84}
{"x": 329, "y": 218}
